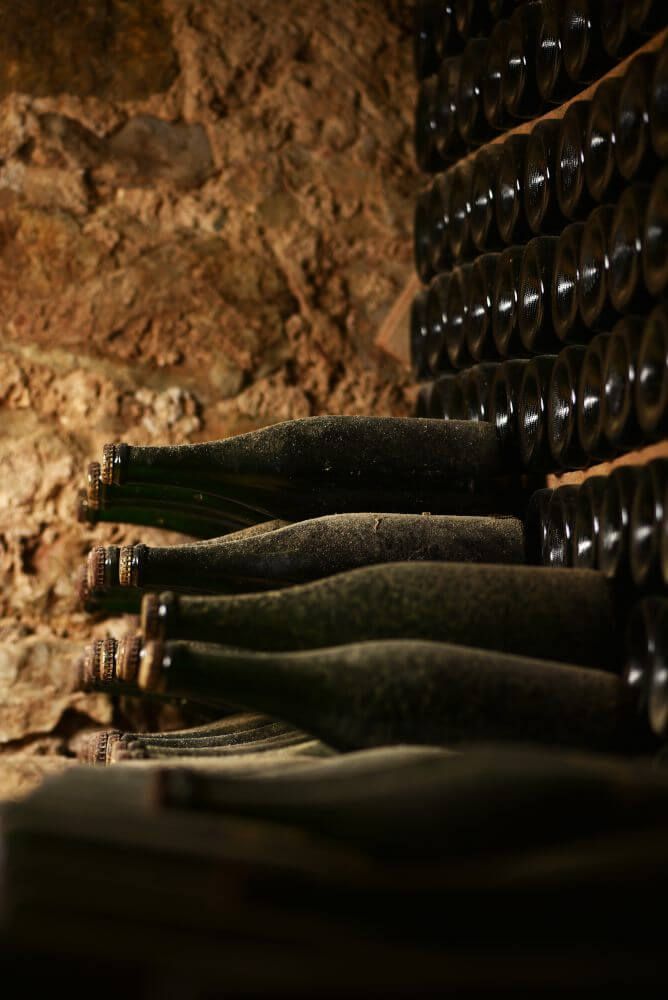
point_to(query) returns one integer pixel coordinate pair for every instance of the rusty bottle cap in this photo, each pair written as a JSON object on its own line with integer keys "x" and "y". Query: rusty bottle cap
{"x": 91, "y": 663}
{"x": 108, "y": 660}
{"x": 129, "y": 567}
{"x": 151, "y": 662}
{"x": 103, "y": 567}
{"x": 98, "y": 748}
{"x": 94, "y": 485}
{"x": 127, "y": 659}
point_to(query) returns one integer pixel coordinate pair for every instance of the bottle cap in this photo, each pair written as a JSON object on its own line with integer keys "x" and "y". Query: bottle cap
{"x": 127, "y": 658}
{"x": 91, "y": 663}
{"x": 150, "y": 666}
{"x": 129, "y": 565}
{"x": 95, "y": 568}
{"x": 108, "y": 660}
{"x": 108, "y": 462}
{"x": 94, "y": 488}
{"x": 98, "y": 748}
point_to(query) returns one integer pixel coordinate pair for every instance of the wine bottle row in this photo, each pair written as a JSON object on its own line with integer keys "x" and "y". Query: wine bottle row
{"x": 532, "y": 61}
{"x": 506, "y": 196}
{"x": 570, "y": 410}
{"x": 617, "y": 524}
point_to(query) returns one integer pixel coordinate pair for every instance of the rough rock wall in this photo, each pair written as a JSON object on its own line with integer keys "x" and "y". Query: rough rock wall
{"x": 205, "y": 214}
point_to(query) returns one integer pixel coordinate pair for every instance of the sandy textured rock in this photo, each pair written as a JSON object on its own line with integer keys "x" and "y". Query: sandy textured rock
{"x": 205, "y": 214}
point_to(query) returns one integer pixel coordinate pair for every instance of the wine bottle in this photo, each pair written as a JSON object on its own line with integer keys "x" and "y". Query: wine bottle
{"x": 554, "y": 84}
{"x": 641, "y": 641}
{"x": 380, "y": 694}
{"x": 600, "y": 166}
{"x": 419, "y": 336}
{"x": 504, "y": 407}
{"x": 447, "y": 403}
{"x": 618, "y": 414}
{"x": 585, "y": 59}
{"x": 456, "y": 308}
{"x": 471, "y": 122}
{"x": 616, "y": 36}
{"x": 422, "y": 248}
{"x": 651, "y": 384}
{"x": 494, "y": 108}
{"x": 590, "y": 392}
{"x": 519, "y": 86}
{"x": 434, "y": 35}
{"x": 566, "y": 282}
{"x": 473, "y": 18}
{"x": 572, "y": 195}
{"x": 532, "y": 412}
{"x": 646, "y": 16}
{"x": 565, "y": 446}
{"x": 506, "y": 301}
{"x": 424, "y": 401}
{"x": 108, "y": 601}
{"x": 515, "y": 609}
{"x": 426, "y": 125}
{"x": 613, "y": 542}
{"x": 655, "y": 237}
{"x": 596, "y": 311}
{"x": 534, "y": 313}
{"x": 634, "y": 154}
{"x": 536, "y": 524}
{"x": 588, "y": 522}
{"x": 658, "y": 109}
{"x": 436, "y": 315}
{"x": 625, "y": 284}
{"x": 484, "y": 231}
{"x": 657, "y": 688}
{"x": 460, "y": 244}
{"x": 476, "y": 385}
{"x": 447, "y": 140}
{"x": 320, "y": 547}
{"x": 560, "y": 535}
{"x": 647, "y": 524}
{"x": 439, "y": 212}
{"x": 479, "y": 340}
{"x": 169, "y": 520}
{"x": 510, "y": 219}
{"x": 540, "y": 198}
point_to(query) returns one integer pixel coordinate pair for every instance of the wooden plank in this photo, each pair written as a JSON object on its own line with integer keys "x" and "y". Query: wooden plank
{"x": 393, "y": 335}
{"x": 638, "y": 457}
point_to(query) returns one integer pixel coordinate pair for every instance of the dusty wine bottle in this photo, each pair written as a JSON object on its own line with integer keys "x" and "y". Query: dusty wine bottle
{"x": 651, "y": 385}
{"x": 655, "y": 237}
{"x": 554, "y": 84}
{"x": 532, "y": 412}
{"x": 585, "y": 59}
{"x": 540, "y": 197}
{"x": 456, "y": 309}
{"x": 492, "y": 85}
{"x": 534, "y": 313}
{"x": 566, "y": 282}
{"x": 647, "y": 524}
{"x": 436, "y": 317}
{"x": 504, "y": 407}
{"x": 460, "y": 244}
{"x": 519, "y": 85}
{"x": 424, "y": 135}
{"x": 616, "y": 35}
{"x": 447, "y": 140}
{"x": 536, "y": 524}
{"x": 434, "y": 35}
{"x": 479, "y": 341}
{"x": 510, "y": 219}
{"x": 572, "y": 195}
{"x": 440, "y": 195}
{"x": 320, "y": 547}
{"x": 600, "y": 166}
{"x": 471, "y": 121}
{"x": 613, "y": 542}
{"x": 596, "y": 310}
{"x": 590, "y": 392}
{"x": 634, "y": 154}
{"x": 618, "y": 414}
{"x": 107, "y": 601}
{"x": 625, "y": 283}
{"x": 506, "y": 302}
{"x": 379, "y": 694}
{"x": 418, "y": 336}
{"x": 484, "y": 231}
{"x": 476, "y": 385}
{"x": 565, "y": 446}
{"x": 588, "y": 522}
{"x": 560, "y": 537}
{"x": 516, "y": 609}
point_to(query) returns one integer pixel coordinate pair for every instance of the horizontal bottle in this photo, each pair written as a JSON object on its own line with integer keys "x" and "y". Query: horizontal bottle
{"x": 646, "y": 16}
{"x": 436, "y": 318}
{"x": 460, "y": 243}
{"x": 448, "y": 142}
{"x": 646, "y": 667}
{"x": 560, "y": 537}
{"x": 290, "y": 742}
{"x": 419, "y": 334}
{"x": 658, "y": 108}
{"x": 520, "y": 93}
{"x": 484, "y": 232}
{"x": 379, "y": 694}
{"x": 613, "y": 542}
{"x": 534, "y": 313}
{"x": 510, "y": 220}
{"x": 647, "y": 524}
{"x": 422, "y": 247}
{"x": 426, "y": 125}
{"x": 447, "y": 402}
{"x": 456, "y": 317}
{"x": 320, "y": 547}
{"x": 536, "y": 525}
{"x": 504, "y": 399}
{"x": 505, "y": 305}
{"x": 651, "y": 383}
{"x": 601, "y": 175}
{"x": 634, "y": 154}
{"x": 481, "y": 280}
{"x": 321, "y": 465}
{"x": 494, "y": 108}
{"x": 476, "y": 385}
{"x": 590, "y": 410}
{"x": 620, "y": 368}
{"x": 438, "y": 221}
{"x": 540, "y": 198}
{"x": 655, "y": 237}
{"x": 518, "y": 609}
{"x": 585, "y": 59}
{"x": 532, "y": 410}
{"x": 554, "y": 84}
{"x": 424, "y": 401}
{"x": 588, "y": 522}
{"x": 626, "y": 287}
{"x": 596, "y": 310}
{"x": 616, "y": 33}
{"x": 565, "y": 446}
{"x": 566, "y": 281}
{"x": 572, "y": 195}
{"x": 434, "y": 35}
{"x": 471, "y": 121}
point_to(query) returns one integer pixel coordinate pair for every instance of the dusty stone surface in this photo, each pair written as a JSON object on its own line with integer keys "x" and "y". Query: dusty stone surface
{"x": 205, "y": 214}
